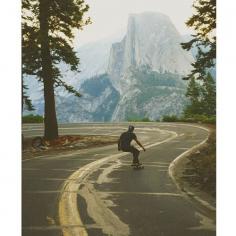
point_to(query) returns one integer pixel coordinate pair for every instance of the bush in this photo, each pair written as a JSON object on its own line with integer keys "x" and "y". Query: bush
{"x": 211, "y": 120}
{"x": 32, "y": 119}
{"x": 172, "y": 118}
{"x": 192, "y": 119}
{"x": 145, "y": 119}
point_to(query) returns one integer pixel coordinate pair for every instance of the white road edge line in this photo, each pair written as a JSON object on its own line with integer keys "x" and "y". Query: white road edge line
{"x": 68, "y": 208}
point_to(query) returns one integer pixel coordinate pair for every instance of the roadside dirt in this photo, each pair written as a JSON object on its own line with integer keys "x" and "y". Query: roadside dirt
{"x": 197, "y": 172}
{"x": 32, "y": 148}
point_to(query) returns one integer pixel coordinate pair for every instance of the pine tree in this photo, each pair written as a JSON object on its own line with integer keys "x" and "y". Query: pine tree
{"x": 209, "y": 96}
{"x": 202, "y": 97}
{"x": 26, "y": 102}
{"x": 204, "y": 24}
{"x": 48, "y": 28}
{"x": 194, "y": 95}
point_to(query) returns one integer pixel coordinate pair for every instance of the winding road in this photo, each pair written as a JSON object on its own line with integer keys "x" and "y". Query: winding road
{"x": 95, "y": 191}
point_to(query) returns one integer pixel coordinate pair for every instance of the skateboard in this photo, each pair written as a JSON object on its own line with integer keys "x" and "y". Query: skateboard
{"x": 137, "y": 167}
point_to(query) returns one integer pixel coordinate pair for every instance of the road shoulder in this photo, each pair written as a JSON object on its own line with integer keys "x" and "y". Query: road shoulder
{"x": 64, "y": 144}
{"x": 182, "y": 173}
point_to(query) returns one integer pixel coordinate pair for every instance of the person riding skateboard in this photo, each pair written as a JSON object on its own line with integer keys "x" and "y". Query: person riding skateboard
{"x": 124, "y": 144}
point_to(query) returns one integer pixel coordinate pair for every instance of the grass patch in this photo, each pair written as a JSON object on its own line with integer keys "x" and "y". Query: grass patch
{"x": 192, "y": 119}
{"x": 32, "y": 119}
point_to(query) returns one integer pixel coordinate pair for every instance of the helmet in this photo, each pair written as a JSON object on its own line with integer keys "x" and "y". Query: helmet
{"x": 131, "y": 128}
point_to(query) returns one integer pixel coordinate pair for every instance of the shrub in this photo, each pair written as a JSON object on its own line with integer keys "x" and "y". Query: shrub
{"x": 32, "y": 119}
{"x": 172, "y": 118}
{"x": 211, "y": 120}
{"x": 145, "y": 119}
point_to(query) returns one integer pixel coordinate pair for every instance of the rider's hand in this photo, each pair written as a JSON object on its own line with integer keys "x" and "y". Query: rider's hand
{"x": 144, "y": 149}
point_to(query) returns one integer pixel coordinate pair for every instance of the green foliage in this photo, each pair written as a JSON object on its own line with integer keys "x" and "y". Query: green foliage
{"x": 32, "y": 119}
{"x": 209, "y": 96}
{"x": 194, "y": 95}
{"x": 154, "y": 84}
{"x": 26, "y": 102}
{"x": 96, "y": 85}
{"x": 211, "y": 120}
{"x": 204, "y": 24}
{"x": 171, "y": 118}
{"x": 145, "y": 119}
{"x": 144, "y": 75}
{"x": 192, "y": 119}
{"x": 202, "y": 97}
{"x": 58, "y": 20}
{"x": 48, "y": 28}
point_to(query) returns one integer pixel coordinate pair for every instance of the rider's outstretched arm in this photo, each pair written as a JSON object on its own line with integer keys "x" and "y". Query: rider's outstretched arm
{"x": 140, "y": 144}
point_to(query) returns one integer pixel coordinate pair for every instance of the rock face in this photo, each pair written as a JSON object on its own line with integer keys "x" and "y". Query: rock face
{"x": 94, "y": 57}
{"x": 136, "y": 77}
{"x": 149, "y": 94}
{"x": 144, "y": 64}
{"x": 97, "y": 103}
{"x": 151, "y": 40}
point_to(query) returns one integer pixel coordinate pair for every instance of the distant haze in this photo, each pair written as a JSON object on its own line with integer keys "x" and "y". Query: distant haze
{"x": 110, "y": 17}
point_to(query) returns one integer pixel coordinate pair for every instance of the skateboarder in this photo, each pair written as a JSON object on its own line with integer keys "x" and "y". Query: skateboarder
{"x": 124, "y": 144}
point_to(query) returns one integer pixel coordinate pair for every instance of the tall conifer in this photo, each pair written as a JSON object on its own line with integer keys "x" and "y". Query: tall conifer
{"x": 204, "y": 24}
{"x": 194, "y": 95}
{"x": 26, "y": 102}
{"x": 48, "y": 28}
{"x": 209, "y": 95}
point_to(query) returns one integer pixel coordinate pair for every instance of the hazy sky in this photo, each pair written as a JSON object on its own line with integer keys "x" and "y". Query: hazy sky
{"x": 110, "y": 16}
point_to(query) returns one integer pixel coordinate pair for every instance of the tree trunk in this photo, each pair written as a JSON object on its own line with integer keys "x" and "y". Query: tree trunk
{"x": 50, "y": 120}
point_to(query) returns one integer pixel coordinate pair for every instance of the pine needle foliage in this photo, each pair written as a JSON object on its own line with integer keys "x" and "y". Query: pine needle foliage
{"x": 62, "y": 19}
{"x": 26, "y": 102}
{"x": 202, "y": 97}
{"x": 48, "y": 28}
{"x": 204, "y": 24}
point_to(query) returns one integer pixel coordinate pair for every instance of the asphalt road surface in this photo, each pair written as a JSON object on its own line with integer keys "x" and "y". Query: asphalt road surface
{"x": 96, "y": 192}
